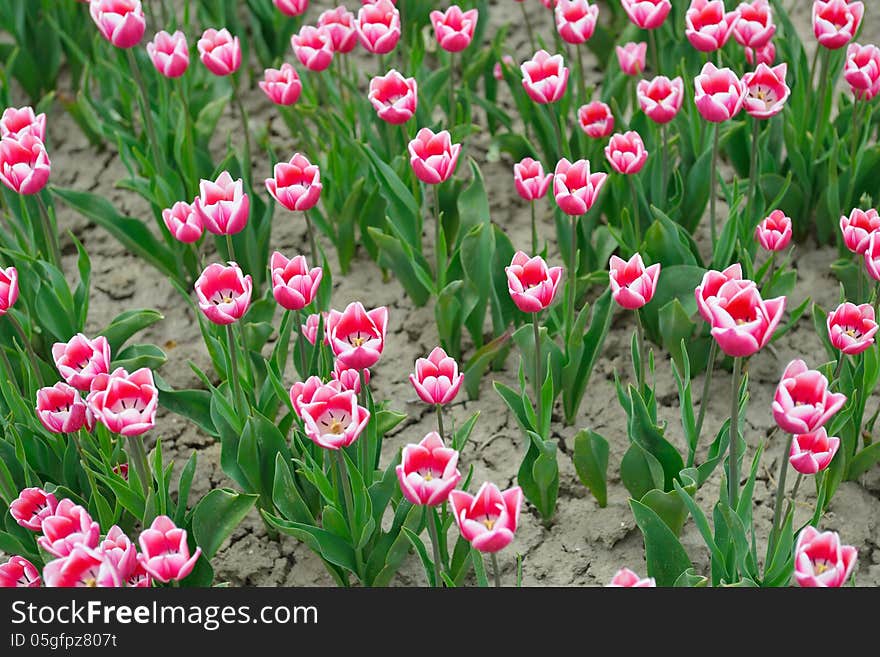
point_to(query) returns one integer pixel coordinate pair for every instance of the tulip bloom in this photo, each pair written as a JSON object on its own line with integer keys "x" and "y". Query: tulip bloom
{"x": 851, "y": 328}
{"x": 220, "y": 52}
{"x": 774, "y": 232}
{"x": 454, "y": 28}
{"x": 488, "y": 519}
{"x": 529, "y": 179}
{"x": 24, "y": 164}
{"x": 436, "y": 379}
{"x": 631, "y": 58}
{"x": 433, "y": 156}
{"x": 857, "y": 229}
{"x": 61, "y": 409}
{"x": 164, "y": 551}
{"x": 125, "y": 403}
{"x": 596, "y": 119}
{"x": 765, "y": 55}
{"x": 333, "y": 419}
{"x": 349, "y": 379}
{"x": 169, "y": 53}
{"x": 339, "y": 24}
{"x": 313, "y": 47}
{"x": 862, "y": 71}
{"x": 118, "y": 549}
{"x": 222, "y": 205}
{"x": 16, "y": 123}
{"x": 82, "y": 567}
{"x": 531, "y": 283}
{"x": 707, "y": 25}
{"x": 302, "y": 392}
{"x": 821, "y": 561}
{"x": 742, "y": 322}
{"x": 545, "y": 77}
{"x": 754, "y": 27}
{"x": 576, "y": 20}
{"x": 291, "y": 7}
{"x": 80, "y": 360}
{"x": 378, "y": 27}
{"x": 719, "y": 93}
{"x": 282, "y": 85}
{"x": 224, "y": 293}
{"x": 309, "y": 330}
{"x": 69, "y": 525}
{"x": 394, "y": 97}
{"x": 294, "y": 285}
{"x": 18, "y": 572}
{"x": 835, "y": 22}
{"x": 812, "y": 452}
{"x": 625, "y": 578}
{"x": 872, "y": 256}
{"x": 766, "y": 91}
{"x": 626, "y": 153}
{"x": 183, "y": 222}
{"x": 497, "y": 71}
{"x": 660, "y": 98}
{"x": 8, "y": 289}
{"x": 632, "y": 284}
{"x": 296, "y": 184}
{"x": 647, "y": 14}
{"x": 575, "y": 188}
{"x": 707, "y": 291}
{"x": 803, "y": 403}
{"x": 121, "y": 22}
{"x": 427, "y": 472}
{"x": 32, "y": 507}
{"x": 357, "y": 337}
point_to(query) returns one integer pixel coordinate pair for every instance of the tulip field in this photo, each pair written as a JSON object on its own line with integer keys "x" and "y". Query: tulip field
{"x": 407, "y": 293}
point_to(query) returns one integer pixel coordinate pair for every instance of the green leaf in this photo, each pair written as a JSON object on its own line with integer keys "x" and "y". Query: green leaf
{"x": 217, "y": 515}
{"x": 329, "y": 546}
{"x": 126, "y": 324}
{"x": 422, "y": 551}
{"x": 640, "y": 472}
{"x": 665, "y": 555}
{"x": 591, "y": 463}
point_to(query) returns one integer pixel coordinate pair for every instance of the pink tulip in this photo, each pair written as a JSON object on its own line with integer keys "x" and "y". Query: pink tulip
{"x": 18, "y": 572}
{"x": 80, "y": 360}
{"x": 821, "y": 561}
{"x": 281, "y": 85}
{"x": 296, "y": 184}
{"x": 82, "y": 567}
{"x": 626, "y": 153}
{"x": 576, "y": 20}
{"x": 707, "y": 291}
{"x": 812, "y": 452}
{"x": 125, "y": 403}
{"x": 707, "y": 25}
{"x": 32, "y": 507}
{"x": 766, "y": 91}
{"x": 16, "y": 123}
{"x": 183, "y": 222}
{"x": 454, "y": 28}
{"x": 506, "y": 62}
{"x": 309, "y": 330}
{"x": 575, "y": 188}
{"x": 139, "y": 578}
{"x": 339, "y": 24}
{"x": 433, "y": 156}
{"x": 224, "y": 293}
{"x": 119, "y": 551}
{"x": 835, "y": 22}
{"x": 631, "y": 58}
{"x": 333, "y": 419}
{"x": 632, "y": 284}
{"x": 294, "y": 285}
{"x": 220, "y": 52}
{"x": 8, "y": 289}
{"x": 488, "y": 519}
{"x": 625, "y": 578}
{"x": 544, "y": 77}
{"x": 357, "y": 337}
{"x": 742, "y": 322}
{"x": 531, "y": 283}
{"x": 436, "y": 379}
{"x": 313, "y": 47}
{"x": 857, "y": 229}
{"x": 765, "y": 55}
{"x": 754, "y": 27}
{"x": 862, "y": 71}
{"x": 61, "y": 409}
{"x": 647, "y": 14}
{"x": 529, "y": 179}
{"x": 24, "y": 164}
{"x": 68, "y": 526}
{"x": 347, "y": 378}
{"x": 596, "y": 119}
{"x": 427, "y": 472}
{"x": 378, "y": 27}
{"x": 169, "y": 53}
{"x": 302, "y": 392}
{"x": 394, "y": 97}
{"x": 719, "y": 93}
{"x": 165, "y": 553}
{"x": 222, "y": 205}
{"x": 121, "y": 22}
{"x": 851, "y": 328}
{"x": 774, "y": 232}
{"x": 660, "y": 98}
{"x": 803, "y": 403}
{"x": 291, "y": 7}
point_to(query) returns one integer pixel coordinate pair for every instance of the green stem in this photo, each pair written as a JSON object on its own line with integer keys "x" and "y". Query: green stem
{"x": 572, "y": 276}
{"x": 367, "y": 466}
{"x": 238, "y": 393}
{"x": 230, "y": 249}
{"x": 819, "y": 132}
{"x": 529, "y": 29}
{"x": 145, "y": 108}
{"x": 246, "y": 133}
{"x": 534, "y": 230}
{"x": 582, "y": 81}
{"x": 303, "y": 372}
{"x": 753, "y": 173}
{"x": 840, "y": 360}
{"x": 496, "y": 571}
{"x": 349, "y": 507}
{"x": 50, "y": 232}
{"x": 643, "y": 356}
{"x": 430, "y": 517}
{"x": 707, "y": 384}
{"x": 138, "y": 457}
{"x": 537, "y": 382}
{"x": 854, "y": 148}
{"x": 555, "y": 121}
{"x": 780, "y": 496}
{"x": 440, "y": 429}
{"x": 713, "y": 183}
{"x": 876, "y": 298}
{"x": 313, "y": 245}
{"x": 733, "y": 456}
{"x": 27, "y": 346}
{"x": 637, "y": 224}
{"x": 439, "y": 254}
{"x": 451, "y": 83}
{"x": 654, "y": 54}
{"x": 793, "y": 496}
{"x": 772, "y": 268}
{"x": 665, "y": 162}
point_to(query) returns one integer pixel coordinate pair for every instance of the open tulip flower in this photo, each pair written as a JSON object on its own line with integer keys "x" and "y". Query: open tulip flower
{"x": 165, "y": 554}
{"x": 296, "y": 184}
{"x": 766, "y": 91}
{"x": 708, "y": 25}
{"x": 851, "y": 328}
{"x": 820, "y": 560}
{"x": 487, "y": 520}
{"x": 121, "y": 22}
{"x": 80, "y": 360}
{"x": 660, "y": 98}
{"x": 16, "y": 123}
{"x": 596, "y": 119}
{"x": 18, "y": 572}
{"x": 862, "y": 71}
{"x": 545, "y": 77}
{"x": 857, "y": 229}
{"x": 8, "y": 289}
{"x": 803, "y": 403}
{"x": 357, "y": 336}
{"x": 531, "y": 283}
{"x": 394, "y": 97}
{"x": 24, "y": 164}
{"x": 224, "y": 293}
{"x": 625, "y": 578}
{"x": 378, "y": 27}
{"x": 61, "y": 409}
{"x": 754, "y": 26}
{"x": 31, "y": 507}
{"x": 81, "y": 567}
{"x": 576, "y": 20}
{"x": 632, "y": 284}
{"x": 647, "y": 14}
{"x": 433, "y": 156}
{"x": 220, "y": 52}
{"x": 69, "y": 526}
{"x": 454, "y": 28}
{"x": 812, "y": 452}
{"x": 332, "y": 418}
{"x": 125, "y": 403}
{"x": 222, "y": 205}
{"x": 313, "y": 47}
{"x": 835, "y": 22}
{"x": 427, "y": 472}
{"x": 742, "y": 322}
{"x": 282, "y": 85}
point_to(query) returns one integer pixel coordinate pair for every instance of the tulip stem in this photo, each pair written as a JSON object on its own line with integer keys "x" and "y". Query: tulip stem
{"x": 733, "y": 448}
{"x": 555, "y": 121}
{"x": 665, "y": 154}
{"x": 780, "y": 497}
{"x": 534, "y": 230}
{"x": 640, "y": 329}
{"x": 496, "y": 571}
{"x": 451, "y": 83}
{"x": 537, "y": 382}
{"x": 349, "y": 507}
{"x": 439, "y": 254}
{"x": 28, "y": 348}
{"x": 819, "y": 133}
{"x": 431, "y": 521}
{"x": 707, "y": 384}
{"x": 854, "y": 149}
{"x": 772, "y": 269}
{"x": 655, "y": 56}
{"x": 238, "y": 393}
{"x": 582, "y": 82}
{"x": 312, "y": 244}
{"x": 365, "y": 445}
{"x": 138, "y": 456}
{"x": 753, "y": 173}
{"x": 529, "y": 29}
{"x": 439, "y": 409}
{"x": 145, "y": 108}
{"x": 839, "y": 367}
{"x": 572, "y": 277}
{"x": 793, "y": 496}
{"x": 876, "y": 298}
{"x": 50, "y": 232}
{"x": 637, "y": 224}
{"x": 242, "y": 112}
{"x": 713, "y": 183}
{"x": 230, "y": 250}
{"x": 302, "y": 345}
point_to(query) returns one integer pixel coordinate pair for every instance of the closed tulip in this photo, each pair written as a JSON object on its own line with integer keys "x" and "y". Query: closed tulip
{"x": 660, "y": 98}
{"x": 183, "y": 222}
{"x": 835, "y": 22}
{"x": 765, "y": 55}
{"x": 719, "y": 93}
{"x": 61, "y": 409}
{"x": 8, "y": 289}
{"x": 294, "y": 285}
{"x": 531, "y": 283}
{"x": 340, "y": 25}
{"x": 436, "y": 378}
{"x": 378, "y": 27}
{"x": 121, "y": 22}
{"x": 16, "y": 123}
{"x": 707, "y": 25}
{"x": 433, "y": 156}
{"x": 545, "y": 77}
{"x": 774, "y": 232}
{"x": 296, "y": 184}
{"x": 24, "y": 164}
{"x": 454, "y": 28}
{"x": 812, "y": 452}
{"x": 576, "y": 20}
{"x": 165, "y": 554}
{"x": 281, "y": 85}
{"x": 394, "y": 97}
{"x": 647, "y": 14}
{"x": 169, "y": 53}
{"x": 754, "y": 27}
{"x": 575, "y": 188}
{"x": 596, "y": 119}
{"x": 625, "y": 578}
{"x": 69, "y": 526}
{"x": 872, "y": 256}
{"x": 220, "y": 52}
{"x": 631, "y": 58}
{"x": 707, "y": 291}
{"x": 862, "y": 71}
{"x": 222, "y": 205}
{"x": 857, "y": 229}
{"x": 529, "y": 179}
{"x": 626, "y": 153}
{"x": 742, "y": 322}
{"x": 313, "y": 47}
{"x": 291, "y": 7}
